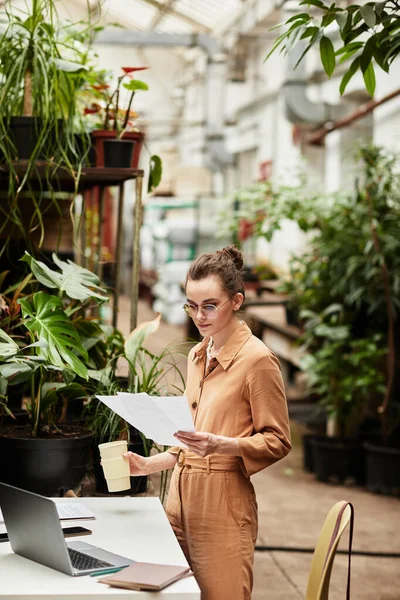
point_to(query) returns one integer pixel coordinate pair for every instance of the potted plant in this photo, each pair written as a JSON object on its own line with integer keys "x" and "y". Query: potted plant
{"x": 345, "y": 374}
{"x": 42, "y": 68}
{"x": 49, "y": 344}
{"x": 145, "y": 371}
{"x": 352, "y": 259}
{"x": 112, "y": 122}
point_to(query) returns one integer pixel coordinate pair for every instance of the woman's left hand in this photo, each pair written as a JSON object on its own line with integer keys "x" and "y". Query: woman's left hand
{"x": 200, "y": 442}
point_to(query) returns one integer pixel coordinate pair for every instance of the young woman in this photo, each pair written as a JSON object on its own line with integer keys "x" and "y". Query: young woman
{"x": 236, "y": 395}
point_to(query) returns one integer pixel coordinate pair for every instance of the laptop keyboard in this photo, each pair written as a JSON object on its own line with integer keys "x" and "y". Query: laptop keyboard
{"x": 84, "y": 562}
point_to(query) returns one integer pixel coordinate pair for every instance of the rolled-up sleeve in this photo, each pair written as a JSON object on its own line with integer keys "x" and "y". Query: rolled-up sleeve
{"x": 271, "y": 438}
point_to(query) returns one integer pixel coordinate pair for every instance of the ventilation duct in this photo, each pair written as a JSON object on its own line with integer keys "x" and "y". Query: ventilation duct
{"x": 298, "y": 108}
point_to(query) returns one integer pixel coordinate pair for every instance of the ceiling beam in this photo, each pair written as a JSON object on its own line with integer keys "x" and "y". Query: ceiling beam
{"x": 175, "y": 13}
{"x": 162, "y": 12}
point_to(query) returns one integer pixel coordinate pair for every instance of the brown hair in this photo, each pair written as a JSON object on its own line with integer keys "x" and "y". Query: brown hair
{"x": 226, "y": 264}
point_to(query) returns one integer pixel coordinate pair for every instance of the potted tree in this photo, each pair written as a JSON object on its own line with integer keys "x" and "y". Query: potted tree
{"x": 49, "y": 345}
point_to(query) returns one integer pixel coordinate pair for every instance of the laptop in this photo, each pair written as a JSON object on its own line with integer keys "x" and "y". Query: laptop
{"x": 35, "y": 532}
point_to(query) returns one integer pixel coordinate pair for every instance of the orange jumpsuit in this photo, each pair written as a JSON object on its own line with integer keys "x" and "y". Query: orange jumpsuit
{"x": 211, "y": 502}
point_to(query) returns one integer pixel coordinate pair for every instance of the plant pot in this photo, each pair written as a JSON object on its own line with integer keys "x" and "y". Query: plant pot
{"x": 25, "y": 133}
{"x": 46, "y": 466}
{"x": 338, "y": 459}
{"x": 99, "y": 135}
{"x": 382, "y": 469}
{"x": 292, "y": 315}
{"x": 308, "y": 450}
{"x": 138, "y": 484}
{"x": 118, "y": 153}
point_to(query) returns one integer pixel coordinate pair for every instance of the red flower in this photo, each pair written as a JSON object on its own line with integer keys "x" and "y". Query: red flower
{"x": 92, "y": 109}
{"x": 128, "y": 70}
{"x": 100, "y": 87}
{"x": 245, "y": 230}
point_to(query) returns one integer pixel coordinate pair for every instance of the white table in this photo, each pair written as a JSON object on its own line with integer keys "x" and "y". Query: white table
{"x": 134, "y": 527}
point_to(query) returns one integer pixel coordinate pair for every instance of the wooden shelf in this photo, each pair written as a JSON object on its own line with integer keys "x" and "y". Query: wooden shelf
{"x": 61, "y": 178}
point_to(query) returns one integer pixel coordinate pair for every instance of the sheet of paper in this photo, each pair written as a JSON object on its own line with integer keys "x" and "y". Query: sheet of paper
{"x": 158, "y": 418}
{"x": 68, "y": 511}
{"x": 73, "y": 510}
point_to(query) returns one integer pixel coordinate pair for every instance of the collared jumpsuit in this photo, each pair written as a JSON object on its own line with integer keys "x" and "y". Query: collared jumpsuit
{"x": 211, "y": 502}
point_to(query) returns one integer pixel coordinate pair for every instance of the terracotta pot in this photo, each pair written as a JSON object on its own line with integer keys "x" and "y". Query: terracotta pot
{"x": 99, "y": 135}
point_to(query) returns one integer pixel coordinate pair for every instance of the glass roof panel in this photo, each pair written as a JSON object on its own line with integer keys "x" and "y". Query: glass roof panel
{"x": 130, "y": 13}
{"x": 172, "y": 24}
{"x": 179, "y": 16}
{"x": 207, "y": 12}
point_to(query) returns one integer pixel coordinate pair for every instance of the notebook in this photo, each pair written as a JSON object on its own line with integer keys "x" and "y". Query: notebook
{"x": 146, "y": 576}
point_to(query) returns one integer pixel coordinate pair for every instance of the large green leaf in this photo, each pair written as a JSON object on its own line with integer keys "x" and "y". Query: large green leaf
{"x": 327, "y": 53}
{"x": 369, "y": 79}
{"x": 135, "y": 339}
{"x": 136, "y": 84}
{"x": 68, "y": 66}
{"x": 368, "y": 14}
{"x": 77, "y": 282}
{"x": 7, "y": 347}
{"x": 47, "y": 321}
{"x": 355, "y": 65}
{"x": 155, "y": 173}
{"x": 18, "y": 370}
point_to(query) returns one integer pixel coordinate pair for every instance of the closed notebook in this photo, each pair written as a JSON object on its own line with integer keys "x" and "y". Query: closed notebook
{"x": 146, "y": 576}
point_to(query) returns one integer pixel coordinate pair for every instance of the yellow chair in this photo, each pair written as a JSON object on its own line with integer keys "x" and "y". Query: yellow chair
{"x": 340, "y": 515}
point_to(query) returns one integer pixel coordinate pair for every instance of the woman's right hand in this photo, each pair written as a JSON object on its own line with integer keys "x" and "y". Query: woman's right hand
{"x": 138, "y": 464}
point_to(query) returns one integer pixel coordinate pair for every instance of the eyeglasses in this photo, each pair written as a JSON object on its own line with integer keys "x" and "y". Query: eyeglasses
{"x": 209, "y": 311}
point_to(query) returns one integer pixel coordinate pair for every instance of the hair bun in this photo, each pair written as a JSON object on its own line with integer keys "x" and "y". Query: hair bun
{"x": 235, "y": 255}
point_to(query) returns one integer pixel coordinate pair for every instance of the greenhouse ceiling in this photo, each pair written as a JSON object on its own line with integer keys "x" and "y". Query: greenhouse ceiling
{"x": 168, "y": 16}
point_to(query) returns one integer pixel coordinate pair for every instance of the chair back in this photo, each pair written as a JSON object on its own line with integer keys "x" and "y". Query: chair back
{"x": 340, "y": 515}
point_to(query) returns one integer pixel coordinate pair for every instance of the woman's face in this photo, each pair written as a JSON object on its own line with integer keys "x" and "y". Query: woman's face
{"x": 208, "y": 291}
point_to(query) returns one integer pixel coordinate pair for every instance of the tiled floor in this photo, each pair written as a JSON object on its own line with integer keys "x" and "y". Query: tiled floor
{"x": 292, "y": 508}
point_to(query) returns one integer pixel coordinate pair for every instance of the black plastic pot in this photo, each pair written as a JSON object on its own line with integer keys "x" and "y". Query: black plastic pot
{"x": 25, "y": 132}
{"x": 308, "y": 450}
{"x": 339, "y": 460}
{"x": 118, "y": 153}
{"x": 45, "y": 466}
{"x": 382, "y": 469}
{"x": 292, "y": 314}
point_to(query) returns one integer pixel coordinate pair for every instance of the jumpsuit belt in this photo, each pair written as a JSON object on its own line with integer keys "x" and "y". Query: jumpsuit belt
{"x": 214, "y": 462}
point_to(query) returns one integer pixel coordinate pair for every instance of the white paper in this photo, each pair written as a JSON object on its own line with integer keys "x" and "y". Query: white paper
{"x": 68, "y": 511}
{"x": 73, "y": 510}
{"x": 157, "y": 417}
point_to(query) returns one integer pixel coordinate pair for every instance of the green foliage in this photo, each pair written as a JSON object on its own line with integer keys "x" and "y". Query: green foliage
{"x": 154, "y": 373}
{"x": 375, "y": 26}
{"x": 43, "y": 66}
{"x": 342, "y": 283}
{"x": 64, "y": 343}
{"x": 345, "y": 372}
{"x": 155, "y": 172}
{"x": 77, "y": 282}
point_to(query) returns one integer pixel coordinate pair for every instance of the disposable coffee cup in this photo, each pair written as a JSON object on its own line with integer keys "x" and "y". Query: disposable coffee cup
{"x": 115, "y": 466}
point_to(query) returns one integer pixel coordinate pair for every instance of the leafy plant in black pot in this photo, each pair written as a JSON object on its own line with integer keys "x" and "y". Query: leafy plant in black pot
{"x": 49, "y": 346}
{"x": 345, "y": 373}
{"x": 154, "y": 373}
